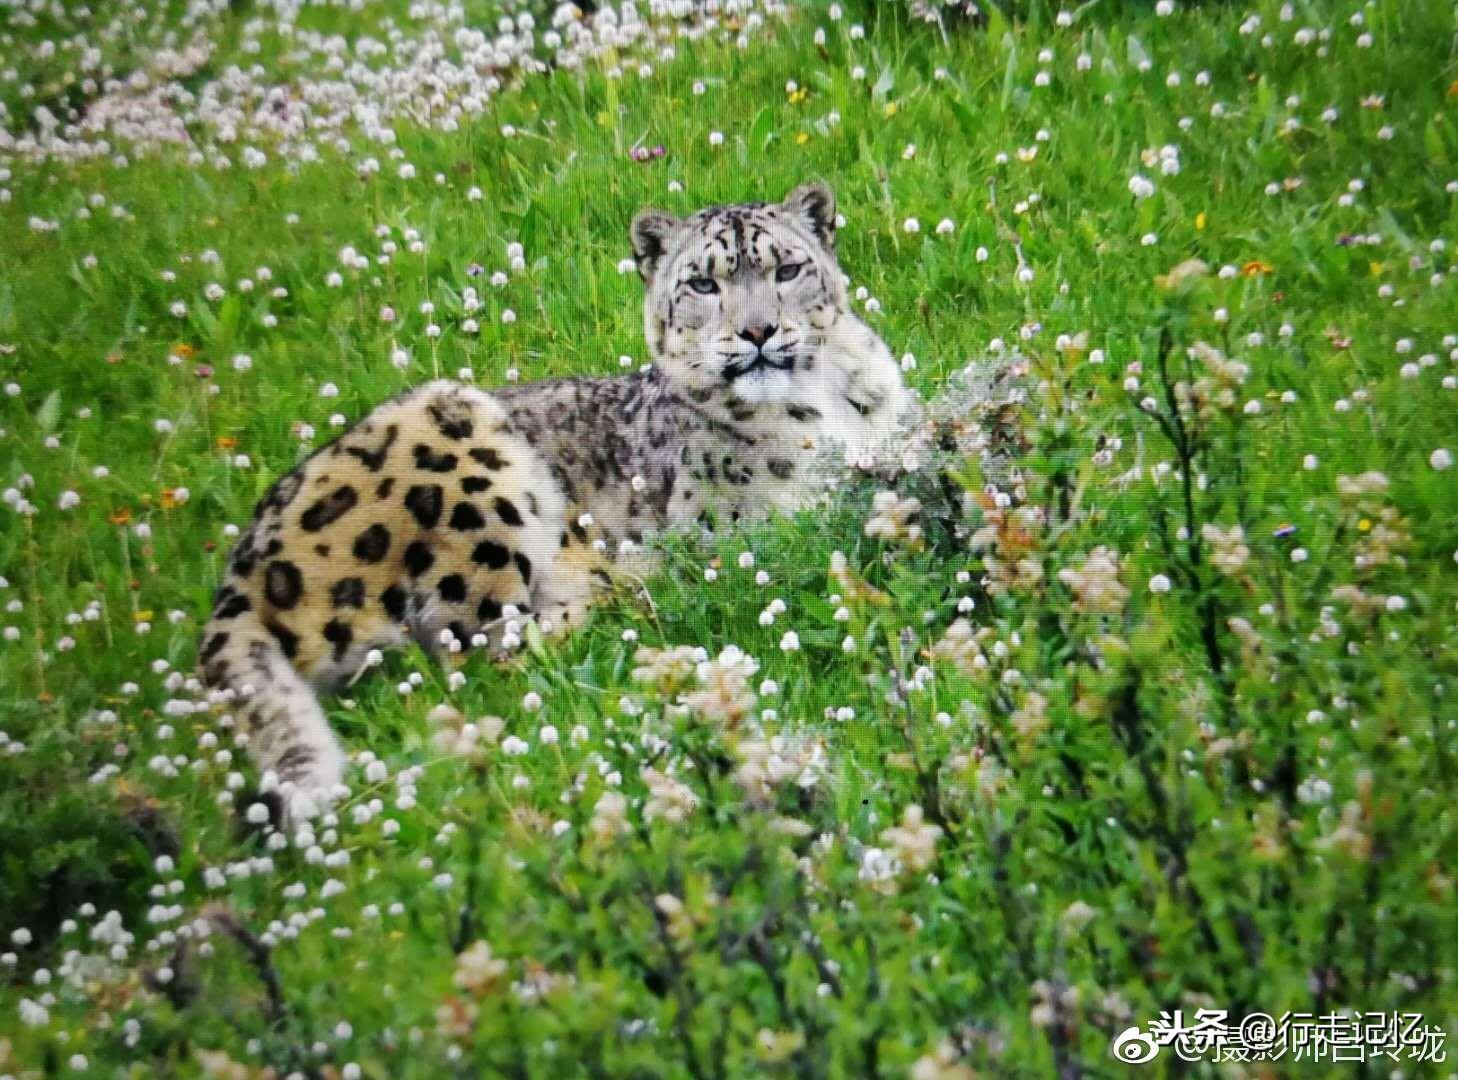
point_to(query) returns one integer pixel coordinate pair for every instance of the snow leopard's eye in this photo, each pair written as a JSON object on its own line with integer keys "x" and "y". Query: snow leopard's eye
{"x": 704, "y": 285}
{"x": 788, "y": 271}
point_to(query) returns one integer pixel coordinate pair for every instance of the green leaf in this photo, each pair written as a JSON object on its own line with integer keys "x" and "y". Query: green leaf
{"x": 1009, "y": 76}
{"x": 49, "y": 412}
{"x": 532, "y": 635}
{"x": 531, "y": 227}
{"x": 203, "y": 314}
{"x": 1136, "y": 52}
{"x": 965, "y": 120}
{"x": 228, "y": 313}
{"x": 996, "y": 23}
{"x": 763, "y": 129}
{"x": 884, "y": 82}
{"x": 1390, "y": 225}
{"x": 1434, "y": 144}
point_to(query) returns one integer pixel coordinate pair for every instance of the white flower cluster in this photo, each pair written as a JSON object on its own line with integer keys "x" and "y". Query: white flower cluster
{"x": 343, "y": 94}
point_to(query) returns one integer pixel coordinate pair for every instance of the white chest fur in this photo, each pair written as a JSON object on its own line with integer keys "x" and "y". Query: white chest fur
{"x": 850, "y": 407}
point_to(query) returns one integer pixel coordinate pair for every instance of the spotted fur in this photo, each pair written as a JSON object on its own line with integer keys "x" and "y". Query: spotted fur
{"x": 451, "y": 513}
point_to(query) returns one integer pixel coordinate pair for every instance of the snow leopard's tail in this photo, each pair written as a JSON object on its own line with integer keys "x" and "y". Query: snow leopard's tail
{"x": 274, "y": 709}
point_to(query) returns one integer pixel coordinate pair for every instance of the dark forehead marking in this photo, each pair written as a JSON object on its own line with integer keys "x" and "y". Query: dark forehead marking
{"x": 762, "y": 232}
{"x": 737, "y": 230}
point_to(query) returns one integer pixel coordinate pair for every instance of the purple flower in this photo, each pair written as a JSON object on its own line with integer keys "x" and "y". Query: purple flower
{"x": 475, "y": 270}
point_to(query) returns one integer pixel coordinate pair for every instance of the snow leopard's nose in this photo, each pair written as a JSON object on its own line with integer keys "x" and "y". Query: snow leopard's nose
{"x": 758, "y": 335}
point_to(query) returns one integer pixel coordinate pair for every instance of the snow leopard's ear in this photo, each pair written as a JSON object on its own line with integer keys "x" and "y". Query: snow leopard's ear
{"x": 813, "y": 207}
{"x": 652, "y": 232}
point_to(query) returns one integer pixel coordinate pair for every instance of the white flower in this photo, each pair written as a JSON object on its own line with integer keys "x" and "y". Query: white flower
{"x": 1441, "y": 459}
{"x": 1141, "y": 187}
{"x": 1313, "y": 790}
{"x": 1159, "y": 583}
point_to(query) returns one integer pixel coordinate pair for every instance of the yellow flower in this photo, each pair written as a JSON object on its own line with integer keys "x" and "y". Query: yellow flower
{"x": 142, "y": 616}
{"x": 1256, "y": 268}
{"x": 1365, "y": 525}
{"x": 1200, "y": 220}
{"x": 227, "y": 442}
{"x": 802, "y": 138}
{"x": 797, "y": 96}
{"x": 892, "y": 109}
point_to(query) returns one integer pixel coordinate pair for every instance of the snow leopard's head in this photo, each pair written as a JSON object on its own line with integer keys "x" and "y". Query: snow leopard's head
{"x": 741, "y": 299}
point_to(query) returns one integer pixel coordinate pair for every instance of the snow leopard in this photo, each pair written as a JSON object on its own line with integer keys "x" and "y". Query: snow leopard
{"x": 451, "y": 514}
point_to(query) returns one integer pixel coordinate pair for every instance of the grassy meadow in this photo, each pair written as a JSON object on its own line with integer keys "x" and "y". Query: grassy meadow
{"x": 1160, "y": 716}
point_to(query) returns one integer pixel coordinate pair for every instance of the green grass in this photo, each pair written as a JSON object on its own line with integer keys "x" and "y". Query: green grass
{"x": 1235, "y": 794}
